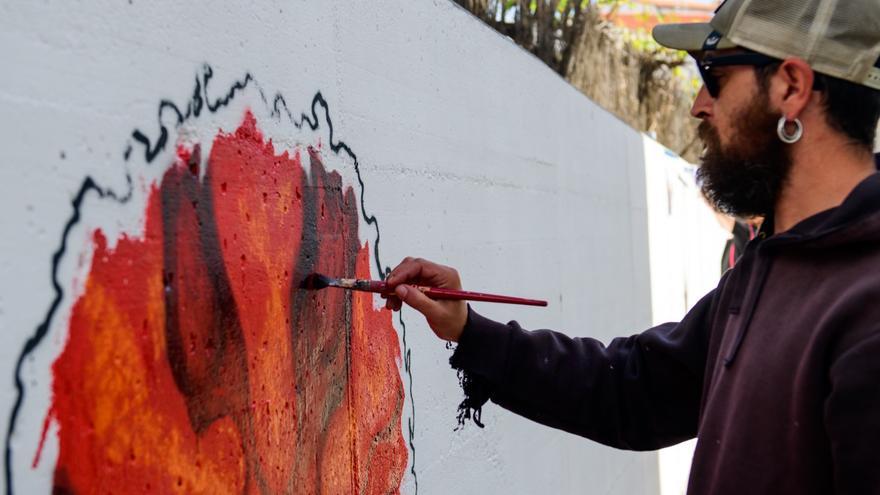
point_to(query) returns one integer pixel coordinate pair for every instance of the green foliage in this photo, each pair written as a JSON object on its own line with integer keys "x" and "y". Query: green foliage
{"x": 548, "y": 28}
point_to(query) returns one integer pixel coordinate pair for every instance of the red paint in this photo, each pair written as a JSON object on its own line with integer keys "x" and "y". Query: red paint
{"x": 39, "y": 453}
{"x": 195, "y": 365}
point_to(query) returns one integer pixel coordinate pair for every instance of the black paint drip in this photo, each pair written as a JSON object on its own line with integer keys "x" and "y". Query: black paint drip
{"x": 171, "y": 114}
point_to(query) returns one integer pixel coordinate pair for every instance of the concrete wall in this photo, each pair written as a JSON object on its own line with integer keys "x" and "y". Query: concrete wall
{"x": 170, "y": 170}
{"x": 686, "y": 242}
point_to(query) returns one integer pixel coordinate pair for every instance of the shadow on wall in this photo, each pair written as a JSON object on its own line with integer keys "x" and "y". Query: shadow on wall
{"x": 193, "y": 362}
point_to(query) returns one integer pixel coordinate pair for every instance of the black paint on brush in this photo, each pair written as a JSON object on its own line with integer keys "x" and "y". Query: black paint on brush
{"x": 170, "y": 116}
{"x": 315, "y": 281}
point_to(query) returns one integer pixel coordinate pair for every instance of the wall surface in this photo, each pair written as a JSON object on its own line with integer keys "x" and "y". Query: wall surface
{"x": 172, "y": 170}
{"x": 686, "y": 242}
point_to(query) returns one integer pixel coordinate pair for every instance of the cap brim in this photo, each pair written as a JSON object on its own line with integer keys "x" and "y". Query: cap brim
{"x": 690, "y": 37}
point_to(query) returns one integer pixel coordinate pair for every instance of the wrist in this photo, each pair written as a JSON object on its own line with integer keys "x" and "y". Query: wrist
{"x": 459, "y": 329}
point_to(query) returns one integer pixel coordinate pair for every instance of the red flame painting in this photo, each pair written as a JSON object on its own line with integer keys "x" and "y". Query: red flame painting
{"x": 195, "y": 364}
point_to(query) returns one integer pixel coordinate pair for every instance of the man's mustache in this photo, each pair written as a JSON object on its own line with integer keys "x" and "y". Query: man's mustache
{"x": 708, "y": 135}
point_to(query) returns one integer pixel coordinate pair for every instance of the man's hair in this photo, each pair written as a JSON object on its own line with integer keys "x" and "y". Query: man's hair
{"x": 851, "y": 109}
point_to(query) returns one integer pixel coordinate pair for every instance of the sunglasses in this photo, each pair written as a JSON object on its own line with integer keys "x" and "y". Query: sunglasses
{"x": 707, "y": 65}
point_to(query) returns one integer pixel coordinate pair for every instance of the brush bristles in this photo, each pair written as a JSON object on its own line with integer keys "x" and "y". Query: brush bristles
{"x": 315, "y": 281}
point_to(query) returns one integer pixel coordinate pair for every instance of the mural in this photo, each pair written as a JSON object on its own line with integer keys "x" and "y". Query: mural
{"x": 149, "y": 287}
{"x": 194, "y": 364}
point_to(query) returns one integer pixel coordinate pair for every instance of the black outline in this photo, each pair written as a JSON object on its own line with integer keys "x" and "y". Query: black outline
{"x": 194, "y": 108}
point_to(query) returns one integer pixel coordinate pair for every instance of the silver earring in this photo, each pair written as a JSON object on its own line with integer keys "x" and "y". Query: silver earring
{"x": 784, "y": 136}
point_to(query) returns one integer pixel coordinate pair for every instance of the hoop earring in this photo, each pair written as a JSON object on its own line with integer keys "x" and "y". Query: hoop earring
{"x": 784, "y": 136}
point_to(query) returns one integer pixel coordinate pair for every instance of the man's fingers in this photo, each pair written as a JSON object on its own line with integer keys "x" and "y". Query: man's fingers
{"x": 409, "y": 270}
{"x": 392, "y": 302}
{"x": 420, "y": 271}
{"x": 417, "y": 300}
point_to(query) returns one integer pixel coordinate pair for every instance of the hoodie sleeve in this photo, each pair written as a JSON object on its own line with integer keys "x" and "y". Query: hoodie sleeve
{"x": 640, "y": 393}
{"x": 851, "y": 416}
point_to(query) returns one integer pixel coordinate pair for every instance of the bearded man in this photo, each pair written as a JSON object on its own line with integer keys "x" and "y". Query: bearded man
{"x": 777, "y": 370}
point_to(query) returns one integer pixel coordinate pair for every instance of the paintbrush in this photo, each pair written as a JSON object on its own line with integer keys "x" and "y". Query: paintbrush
{"x": 316, "y": 281}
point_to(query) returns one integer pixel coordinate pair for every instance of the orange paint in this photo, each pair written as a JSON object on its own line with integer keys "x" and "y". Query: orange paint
{"x": 195, "y": 365}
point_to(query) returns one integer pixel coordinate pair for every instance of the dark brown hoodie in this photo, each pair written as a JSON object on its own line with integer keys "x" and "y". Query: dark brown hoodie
{"x": 776, "y": 371}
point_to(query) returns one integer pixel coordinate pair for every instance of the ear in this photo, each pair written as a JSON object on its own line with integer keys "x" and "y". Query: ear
{"x": 793, "y": 85}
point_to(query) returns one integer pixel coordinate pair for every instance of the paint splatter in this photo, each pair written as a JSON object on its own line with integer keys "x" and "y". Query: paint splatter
{"x": 195, "y": 365}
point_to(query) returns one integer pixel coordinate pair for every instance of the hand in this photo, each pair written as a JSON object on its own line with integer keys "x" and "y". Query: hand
{"x": 446, "y": 318}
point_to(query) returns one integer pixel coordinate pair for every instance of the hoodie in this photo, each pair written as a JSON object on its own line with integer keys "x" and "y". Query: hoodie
{"x": 776, "y": 371}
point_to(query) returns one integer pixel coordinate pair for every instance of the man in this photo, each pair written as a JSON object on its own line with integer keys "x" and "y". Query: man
{"x": 776, "y": 371}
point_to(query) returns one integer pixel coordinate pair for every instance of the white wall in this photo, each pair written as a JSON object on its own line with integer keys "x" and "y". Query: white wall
{"x": 686, "y": 243}
{"x": 472, "y": 153}
{"x": 877, "y": 140}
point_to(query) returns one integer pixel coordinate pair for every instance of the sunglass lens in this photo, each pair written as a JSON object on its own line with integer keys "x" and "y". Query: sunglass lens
{"x": 709, "y": 80}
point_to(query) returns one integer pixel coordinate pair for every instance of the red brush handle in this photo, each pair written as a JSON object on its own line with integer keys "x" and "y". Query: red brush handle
{"x": 459, "y": 295}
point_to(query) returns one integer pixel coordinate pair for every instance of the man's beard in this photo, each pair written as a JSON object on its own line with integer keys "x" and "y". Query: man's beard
{"x": 746, "y": 178}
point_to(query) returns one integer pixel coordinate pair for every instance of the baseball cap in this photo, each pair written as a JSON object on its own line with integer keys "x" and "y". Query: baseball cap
{"x": 839, "y": 38}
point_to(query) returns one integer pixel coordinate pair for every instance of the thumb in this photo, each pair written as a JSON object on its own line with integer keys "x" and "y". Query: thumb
{"x": 416, "y": 299}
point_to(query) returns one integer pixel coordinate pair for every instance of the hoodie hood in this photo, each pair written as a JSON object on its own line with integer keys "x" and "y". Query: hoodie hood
{"x": 855, "y": 220}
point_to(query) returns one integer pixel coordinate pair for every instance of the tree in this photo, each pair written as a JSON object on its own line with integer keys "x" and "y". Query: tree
{"x": 640, "y": 82}
{"x": 546, "y": 28}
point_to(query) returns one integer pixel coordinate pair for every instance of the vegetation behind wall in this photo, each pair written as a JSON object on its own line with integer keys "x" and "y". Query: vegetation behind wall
{"x": 624, "y": 72}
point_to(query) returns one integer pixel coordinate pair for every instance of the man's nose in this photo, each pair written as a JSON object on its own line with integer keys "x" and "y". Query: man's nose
{"x": 702, "y": 106}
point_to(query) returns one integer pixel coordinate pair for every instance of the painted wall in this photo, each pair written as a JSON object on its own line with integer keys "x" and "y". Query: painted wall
{"x": 170, "y": 171}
